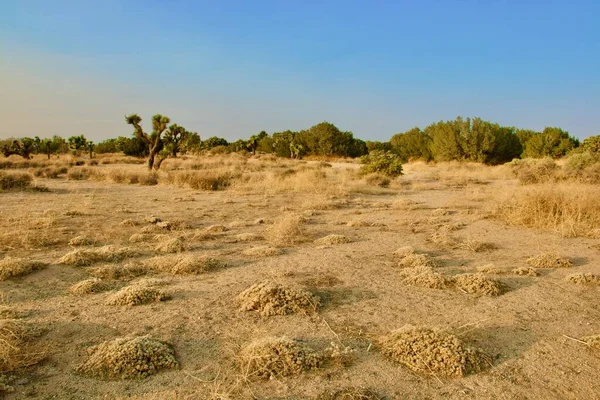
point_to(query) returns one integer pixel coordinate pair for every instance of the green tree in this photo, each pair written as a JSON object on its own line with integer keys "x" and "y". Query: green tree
{"x": 77, "y": 143}
{"x": 153, "y": 140}
{"x": 413, "y": 144}
{"x": 551, "y": 142}
{"x": 22, "y": 147}
{"x": 591, "y": 144}
{"x": 448, "y": 139}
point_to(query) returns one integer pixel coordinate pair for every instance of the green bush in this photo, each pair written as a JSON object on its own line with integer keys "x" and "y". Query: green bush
{"x": 382, "y": 162}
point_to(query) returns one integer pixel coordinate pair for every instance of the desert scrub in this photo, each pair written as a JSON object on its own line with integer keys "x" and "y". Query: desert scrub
{"x": 432, "y": 352}
{"x": 534, "y": 170}
{"x": 424, "y": 276}
{"x": 13, "y": 267}
{"x": 272, "y": 299}
{"x": 383, "y": 162}
{"x": 584, "y": 279}
{"x": 478, "y": 284}
{"x": 271, "y": 358}
{"x": 15, "y": 180}
{"x": 81, "y": 240}
{"x": 171, "y": 245}
{"x": 128, "y": 358}
{"x": 89, "y": 286}
{"x": 262, "y": 251}
{"x": 136, "y": 295}
{"x": 16, "y": 349}
{"x": 288, "y": 230}
{"x": 188, "y": 264}
{"x": 549, "y": 260}
{"x": 84, "y": 257}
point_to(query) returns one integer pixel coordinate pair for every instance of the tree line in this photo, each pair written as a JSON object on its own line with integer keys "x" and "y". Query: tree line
{"x": 463, "y": 139}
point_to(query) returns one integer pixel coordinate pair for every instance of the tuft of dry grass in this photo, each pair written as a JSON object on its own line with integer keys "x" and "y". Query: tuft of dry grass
{"x": 272, "y": 299}
{"x": 593, "y": 341}
{"x": 262, "y": 251}
{"x": 477, "y": 284}
{"x": 116, "y": 271}
{"x": 80, "y": 240}
{"x": 16, "y": 350}
{"x": 584, "y": 279}
{"x": 136, "y": 295}
{"x": 89, "y": 286}
{"x": 188, "y": 264}
{"x": 128, "y": 358}
{"x": 424, "y": 276}
{"x": 247, "y": 237}
{"x": 15, "y": 180}
{"x": 286, "y": 231}
{"x": 525, "y": 271}
{"x": 12, "y": 267}
{"x": 409, "y": 258}
{"x": 432, "y": 352}
{"x": 84, "y": 257}
{"x": 271, "y": 358}
{"x": 549, "y": 260}
{"x": 333, "y": 239}
{"x": 140, "y": 237}
{"x": 171, "y": 245}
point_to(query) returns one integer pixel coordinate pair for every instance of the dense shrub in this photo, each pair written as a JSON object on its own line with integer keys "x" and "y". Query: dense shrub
{"x": 383, "y": 162}
{"x": 10, "y": 181}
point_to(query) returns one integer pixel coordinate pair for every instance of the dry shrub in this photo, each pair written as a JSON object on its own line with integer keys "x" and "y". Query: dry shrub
{"x": 476, "y": 246}
{"x": 339, "y": 356}
{"x": 262, "y": 251}
{"x": 15, "y": 180}
{"x": 477, "y": 284}
{"x": 531, "y": 170}
{"x": 170, "y": 245}
{"x": 140, "y": 237}
{"x": 247, "y": 237}
{"x": 409, "y": 259}
{"x": 12, "y": 267}
{"x": 288, "y": 230}
{"x": 528, "y": 271}
{"x": 186, "y": 264}
{"x": 272, "y": 299}
{"x": 80, "y": 241}
{"x": 351, "y": 393}
{"x": 16, "y": 348}
{"x": 271, "y": 358}
{"x": 423, "y": 276}
{"x": 115, "y": 271}
{"x": 333, "y": 239}
{"x": 493, "y": 270}
{"x": 593, "y": 341}
{"x": 150, "y": 229}
{"x": 78, "y": 174}
{"x": 549, "y": 260}
{"x": 568, "y": 209}
{"x": 128, "y": 358}
{"x": 135, "y": 295}
{"x": 432, "y": 352}
{"x": 442, "y": 238}
{"x": 84, "y": 257}
{"x": 202, "y": 180}
{"x": 89, "y": 286}
{"x": 584, "y": 279}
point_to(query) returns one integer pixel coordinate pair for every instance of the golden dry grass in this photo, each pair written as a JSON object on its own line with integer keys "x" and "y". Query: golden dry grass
{"x": 13, "y": 267}
{"x": 186, "y": 264}
{"x": 549, "y": 260}
{"x": 286, "y": 231}
{"x": 89, "y": 286}
{"x": 85, "y": 257}
{"x": 136, "y": 295}
{"x": 271, "y": 299}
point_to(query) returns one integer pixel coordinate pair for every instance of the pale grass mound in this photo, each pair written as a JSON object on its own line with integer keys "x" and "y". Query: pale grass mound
{"x": 188, "y": 264}
{"x": 12, "y": 267}
{"x": 409, "y": 258}
{"x": 116, "y": 271}
{"x": 84, "y": 257}
{"x": 351, "y": 393}
{"x": 247, "y": 237}
{"x": 593, "y": 341}
{"x": 215, "y": 229}
{"x": 444, "y": 239}
{"x": 16, "y": 350}
{"x": 80, "y": 240}
{"x": 333, "y": 239}
{"x": 271, "y": 358}
{"x": 262, "y": 251}
{"x": 549, "y": 260}
{"x": 128, "y": 358}
{"x": 583, "y": 279}
{"x": 136, "y": 295}
{"x": 425, "y": 277}
{"x": 432, "y": 352}
{"x": 286, "y": 231}
{"x": 527, "y": 271}
{"x": 170, "y": 245}
{"x": 476, "y": 246}
{"x": 477, "y": 284}
{"x": 140, "y": 237}
{"x": 272, "y": 299}
{"x": 89, "y": 286}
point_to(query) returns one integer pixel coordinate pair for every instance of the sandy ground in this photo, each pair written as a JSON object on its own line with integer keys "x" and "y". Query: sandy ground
{"x": 523, "y": 329}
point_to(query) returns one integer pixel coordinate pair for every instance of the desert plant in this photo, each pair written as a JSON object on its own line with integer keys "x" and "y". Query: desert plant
{"x": 382, "y": 162}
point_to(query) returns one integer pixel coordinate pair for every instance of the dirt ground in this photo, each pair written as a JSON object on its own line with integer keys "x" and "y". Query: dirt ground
{"x": 532, "y": 330}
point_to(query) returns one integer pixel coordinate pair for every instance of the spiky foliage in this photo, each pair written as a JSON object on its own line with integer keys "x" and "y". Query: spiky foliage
{"x": 154, "y": 140}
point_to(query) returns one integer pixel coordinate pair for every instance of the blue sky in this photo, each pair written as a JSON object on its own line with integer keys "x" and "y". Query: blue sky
{"x": 234, "y": 68}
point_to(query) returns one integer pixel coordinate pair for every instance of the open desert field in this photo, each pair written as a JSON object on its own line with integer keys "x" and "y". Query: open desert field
{"x": 296, "y": 280}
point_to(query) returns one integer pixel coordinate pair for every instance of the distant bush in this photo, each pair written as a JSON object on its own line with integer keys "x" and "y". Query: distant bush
{"x": 532, "y": 170}
{"x": 9, "y": 181}
{"x": 382, "y": 162}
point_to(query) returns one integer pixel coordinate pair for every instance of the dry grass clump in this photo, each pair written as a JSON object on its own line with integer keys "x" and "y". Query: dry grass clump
{"x": 409, "y": 258}
{"x": 490, "y": 269}
{"x": 128, "y": 222}
{"x": 140, "y": 237}
{"x": 477, "y": 284}
{"x": 12, "y": 267}
{"x": 186, "y": 264}
{"x": 549, "y": 260}
{"x": 15, "y": 345}
{"x": 528, "y": 271}
{"x": 15, "y": 180}
{"x": 272, "y": 299}
{"x": 584, "y": 279}
{"x": 333, "y": 239}
{"x": 80, "y": 241}
{"x": 351, "y": 393}
{"x": 128, "y": 358}
{"x": 532, "y": 170}
{"x": 271, "y": 358}
{"x": 424, "y": 276}
{"x": 288, "y": 230}
{"x": 137, "y": 294}
{"x": 150, "y": 229}
{"x": 89, "y": 286}
{"x": 247, "y": 237}
{"x": 262, "y": 251}
{"x": 476, "y": 246}
{"x": 115, "y": 271}
{"x": 593, "y": 341}
{"x": 170, "y": 245}
{"x": 442, "y": 238}
{"x": 84, "y": 257}
{"x": 569, "y": 209}
{"x": 432, "y": 352}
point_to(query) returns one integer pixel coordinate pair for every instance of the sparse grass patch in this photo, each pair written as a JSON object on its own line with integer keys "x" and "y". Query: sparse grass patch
{"x": 171, "y": 245}
{"x": 89, "y": 286}
{"x": 288, "y": 230}
{"x": 528, "y": 271}
{"x": 16, "y": 348}
{"x": 549, "y": 260}
{"x": 432, "y": 352}
{"x": 272, "y": 358}
{"x": 333, "y": 239}
{"x": 271, "y": 299}
{"x": 15, "y": 180}
{"x": 583, "y": 279}
{"x": 409, "y": 258}
{"x": 128, "y": 358}
{"x": 84, "y": 257}
{"x": 115, "y": 271}
{"x": 12, "y": 267}
{"x": 477, "y": 284}
{"x": 186, "y": 264}
{"x": 81, "y": 240}
{"x": 136, "y": 295}
{"x": 262, "y": 251}
{"x": 423, "y": 276}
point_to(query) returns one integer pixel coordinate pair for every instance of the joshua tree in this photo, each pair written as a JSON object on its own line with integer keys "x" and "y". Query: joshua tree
{"x": 153, "y": 140}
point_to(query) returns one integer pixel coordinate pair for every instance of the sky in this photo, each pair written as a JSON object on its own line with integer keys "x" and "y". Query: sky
{"x": 235, "y": 68}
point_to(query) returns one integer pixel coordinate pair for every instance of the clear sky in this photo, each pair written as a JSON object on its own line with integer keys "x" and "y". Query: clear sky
{"x": 234, "y": 68}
